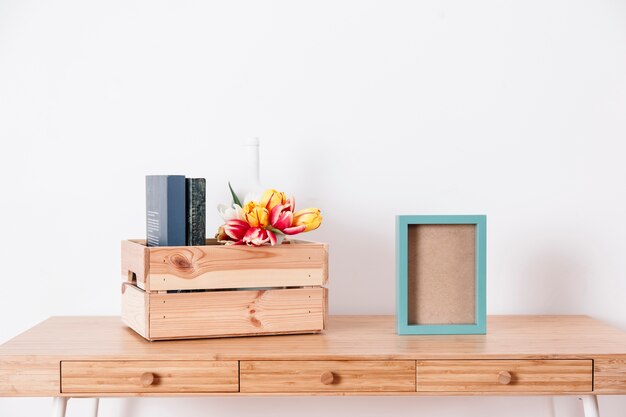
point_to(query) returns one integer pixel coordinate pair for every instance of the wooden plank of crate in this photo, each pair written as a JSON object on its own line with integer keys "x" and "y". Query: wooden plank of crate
{"x": 135, "y": 309}
{"x": 234, "y": 313}
{"x": 221, "y": 267}
{"x": 325, "y": 307}
{"x": 325, "y": 264}
{"x": 135, "y": 262}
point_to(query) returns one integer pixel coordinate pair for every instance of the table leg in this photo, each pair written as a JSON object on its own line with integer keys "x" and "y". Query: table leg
{"x": 59, "y": 405}
{"x": 590, "y": 405}
{"x": 95, "y": 402}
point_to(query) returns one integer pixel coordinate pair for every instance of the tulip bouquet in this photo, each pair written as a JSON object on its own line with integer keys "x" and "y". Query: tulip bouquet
{"x": 268, "y": 220}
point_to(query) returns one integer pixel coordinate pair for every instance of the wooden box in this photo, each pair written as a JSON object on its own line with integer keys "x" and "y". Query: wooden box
{"x": 190, "y": 292}
{"x": 441, "y": 273}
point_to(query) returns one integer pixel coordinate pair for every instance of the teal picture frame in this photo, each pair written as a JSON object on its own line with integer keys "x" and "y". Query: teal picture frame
{"x": 402, "y": 279}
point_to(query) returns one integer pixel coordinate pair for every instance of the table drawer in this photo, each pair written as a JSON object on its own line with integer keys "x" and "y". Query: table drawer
{"x": 541, "y": 376}
{"x": 327, "y": 376}
{"x": 149, "y": 376}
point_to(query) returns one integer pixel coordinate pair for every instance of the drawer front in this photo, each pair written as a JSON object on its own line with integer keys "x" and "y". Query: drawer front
{"x": 327, "y": 376}
{"x": 149, "y": 376}
{"x": 541, "y": 376}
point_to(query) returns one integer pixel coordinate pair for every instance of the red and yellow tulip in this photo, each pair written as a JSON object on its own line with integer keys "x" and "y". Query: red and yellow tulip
{"x": 257, "y": 223}
{"x": 236, "y": 229}
{"x": 281, "y": 218}
{"x": 256, "y": 236}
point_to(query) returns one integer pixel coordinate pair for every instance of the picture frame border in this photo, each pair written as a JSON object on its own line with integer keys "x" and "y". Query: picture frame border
{"x": 402, "y": 280}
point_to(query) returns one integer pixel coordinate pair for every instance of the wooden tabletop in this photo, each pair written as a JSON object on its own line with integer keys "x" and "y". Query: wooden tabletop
{"x": 347, "y": 337}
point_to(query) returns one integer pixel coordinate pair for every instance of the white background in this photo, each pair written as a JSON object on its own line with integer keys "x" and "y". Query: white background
{"x": 366, "y": 109}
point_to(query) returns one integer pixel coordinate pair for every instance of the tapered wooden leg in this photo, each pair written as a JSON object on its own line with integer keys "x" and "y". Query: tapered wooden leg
{"x": 95, "y": 403}
{"x": 590, "y": 405}
{"x": 59, "y": 405}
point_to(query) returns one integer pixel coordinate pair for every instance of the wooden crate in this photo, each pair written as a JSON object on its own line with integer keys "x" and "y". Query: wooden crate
{"x": 226, "y": 290}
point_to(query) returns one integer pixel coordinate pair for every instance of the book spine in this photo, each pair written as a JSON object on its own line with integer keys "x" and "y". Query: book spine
{"x": 176, "y": 221}
{"x": 165, "y": 210}
{"x": 196, "y": 211}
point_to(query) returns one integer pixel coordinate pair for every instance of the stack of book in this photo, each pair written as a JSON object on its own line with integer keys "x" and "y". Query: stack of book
{"x": 175, "y": 210}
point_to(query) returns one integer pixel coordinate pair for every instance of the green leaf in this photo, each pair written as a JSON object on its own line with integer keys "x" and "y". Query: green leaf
{"x": 235, "y": 198}
{"x": 275, "y": 230}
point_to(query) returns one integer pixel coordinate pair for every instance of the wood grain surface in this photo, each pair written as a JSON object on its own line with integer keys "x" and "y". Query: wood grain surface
{"x": 307, "y": 376}
{"x": 29, "y": 376}
{"x": 486, "y": 375}
{"x": 214, "y": 266}
{"x": 164, "y": 376}
{"x": 135, "y": 262}
{"x": 558, "y": 348}
{"x": 135, "y": 309}
{"x": 346, "y": 338}
{"x": 610, "y": 376}
{"x": 233, "y": 313}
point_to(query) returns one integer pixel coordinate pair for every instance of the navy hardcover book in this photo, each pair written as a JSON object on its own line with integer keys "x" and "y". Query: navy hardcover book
{"x": 165, "y": 210}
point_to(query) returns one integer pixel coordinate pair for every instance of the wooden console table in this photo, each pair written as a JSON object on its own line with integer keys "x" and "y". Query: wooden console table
{"x": 66, "y": 357}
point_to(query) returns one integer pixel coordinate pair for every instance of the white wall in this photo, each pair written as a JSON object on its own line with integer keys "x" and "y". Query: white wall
{"x": 366, "y": 109}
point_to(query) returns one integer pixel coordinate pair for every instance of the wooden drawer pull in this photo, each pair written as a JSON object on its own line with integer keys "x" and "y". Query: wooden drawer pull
{"x": 504, "y": 377}
{"x": 146, "y": 379}
{"x": 327, "y": 378}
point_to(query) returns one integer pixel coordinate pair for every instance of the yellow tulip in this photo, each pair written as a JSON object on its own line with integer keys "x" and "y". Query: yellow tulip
{"x": 256, "y": 215}
{"x": 271, "y": 198}
{"x": 311, "y": 218}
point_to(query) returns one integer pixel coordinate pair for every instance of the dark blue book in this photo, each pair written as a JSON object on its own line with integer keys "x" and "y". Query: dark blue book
{"x": 165, "y": 210}
{"x": 196, "y": 211}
